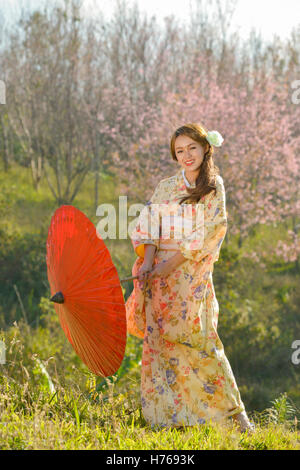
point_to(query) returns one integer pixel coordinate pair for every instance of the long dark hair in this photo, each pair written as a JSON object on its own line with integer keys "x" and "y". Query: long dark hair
{"x": 206, "y": 180}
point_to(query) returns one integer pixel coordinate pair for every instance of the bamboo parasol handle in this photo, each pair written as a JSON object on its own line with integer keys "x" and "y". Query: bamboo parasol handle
{"x": 128, "y": 278}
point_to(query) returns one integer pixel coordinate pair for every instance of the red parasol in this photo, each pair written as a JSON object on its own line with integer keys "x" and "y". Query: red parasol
{"x": 86, "y": 289}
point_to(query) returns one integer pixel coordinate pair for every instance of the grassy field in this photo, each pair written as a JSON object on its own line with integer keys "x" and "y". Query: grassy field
{"x": 38, "y": 431}
{"x": 58, "y": 404}
{"x": 66, "y": 420}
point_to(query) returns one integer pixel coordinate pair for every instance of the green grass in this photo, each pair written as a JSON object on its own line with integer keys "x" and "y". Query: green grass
{"x": 63, "y": 406}
{"x": 77, "y": 422}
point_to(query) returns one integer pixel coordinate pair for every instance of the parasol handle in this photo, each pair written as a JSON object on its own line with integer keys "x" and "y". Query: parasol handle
{"x": 128, "y": 278}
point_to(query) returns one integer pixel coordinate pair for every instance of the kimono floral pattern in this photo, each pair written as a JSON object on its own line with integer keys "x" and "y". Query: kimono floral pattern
{"x": 186, "y": 378}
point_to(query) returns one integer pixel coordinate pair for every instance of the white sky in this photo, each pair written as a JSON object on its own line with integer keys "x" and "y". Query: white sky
{"x": 267, "y": 16}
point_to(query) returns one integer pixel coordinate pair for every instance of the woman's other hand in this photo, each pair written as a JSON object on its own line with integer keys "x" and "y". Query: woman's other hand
{"x": 162, "y": 269}
{"x": 143, "y": 272}
{"x": 144, "y": 269}
{"x": 166, "y": 267}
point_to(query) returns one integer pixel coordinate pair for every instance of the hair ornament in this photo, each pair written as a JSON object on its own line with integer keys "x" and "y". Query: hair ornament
{"x": 214, "y": 138}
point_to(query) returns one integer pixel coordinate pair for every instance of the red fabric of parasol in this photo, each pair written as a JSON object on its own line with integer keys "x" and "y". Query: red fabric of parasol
{"x": 86, "y": 289}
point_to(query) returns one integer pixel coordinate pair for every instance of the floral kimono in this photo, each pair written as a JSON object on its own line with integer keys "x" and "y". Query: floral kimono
{"x": 186, "y": 378}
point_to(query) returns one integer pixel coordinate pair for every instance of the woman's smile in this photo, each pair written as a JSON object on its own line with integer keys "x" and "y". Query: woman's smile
{"x": 189, "y": 162}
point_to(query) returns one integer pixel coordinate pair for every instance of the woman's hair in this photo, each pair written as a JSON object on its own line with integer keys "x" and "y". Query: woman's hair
{"x": 206, "y": 180}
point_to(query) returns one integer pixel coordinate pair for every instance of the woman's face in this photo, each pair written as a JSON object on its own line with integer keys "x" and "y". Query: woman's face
{"x": 189, "y": 153}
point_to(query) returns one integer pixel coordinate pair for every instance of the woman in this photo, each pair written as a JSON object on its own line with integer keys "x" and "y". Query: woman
{"x": 186, "y": 378}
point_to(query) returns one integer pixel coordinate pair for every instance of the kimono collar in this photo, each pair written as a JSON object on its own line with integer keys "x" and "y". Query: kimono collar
{"x": 188, "y": 185}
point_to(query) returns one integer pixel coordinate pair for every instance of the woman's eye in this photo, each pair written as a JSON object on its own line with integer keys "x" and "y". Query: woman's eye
{"x": 180, "y": 151}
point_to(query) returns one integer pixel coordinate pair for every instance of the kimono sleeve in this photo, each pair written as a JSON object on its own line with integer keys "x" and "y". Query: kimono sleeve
{"x": 214, "y": 230}
{"x": 147, "y": 230}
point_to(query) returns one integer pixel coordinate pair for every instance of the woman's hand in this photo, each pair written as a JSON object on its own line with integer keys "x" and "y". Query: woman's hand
{"x": 144, "y": 272}
{"x": 162, "y": 269}
{"x": 166, "y": 267}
